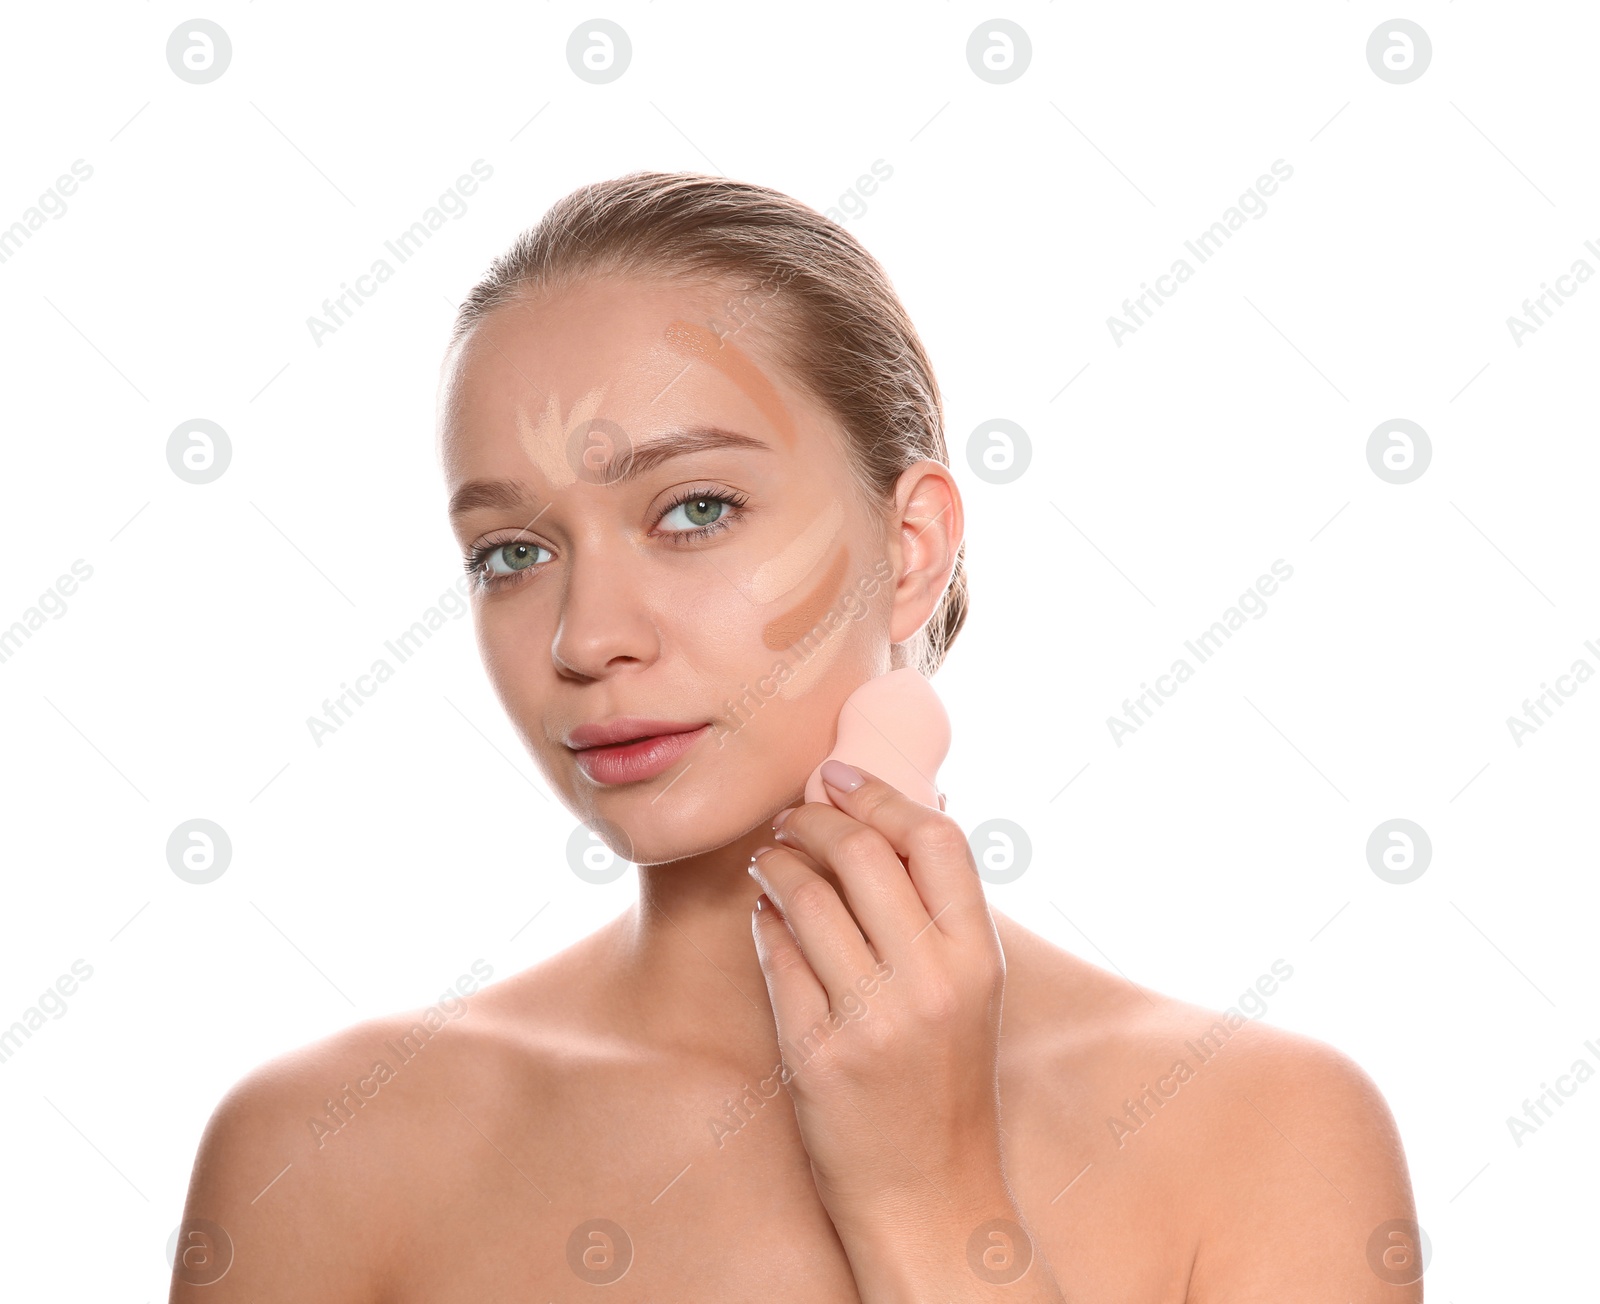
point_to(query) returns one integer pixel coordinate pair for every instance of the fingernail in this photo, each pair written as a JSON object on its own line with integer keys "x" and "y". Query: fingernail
{"x": 836, "y": 774}
{"x": 780, "y": 817}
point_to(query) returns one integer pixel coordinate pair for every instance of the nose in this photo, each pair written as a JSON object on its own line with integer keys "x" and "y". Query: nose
{"x": 606, "y": 624}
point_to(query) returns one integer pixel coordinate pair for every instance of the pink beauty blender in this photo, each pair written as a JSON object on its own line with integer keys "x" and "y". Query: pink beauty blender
{"x": 895, "y": 727}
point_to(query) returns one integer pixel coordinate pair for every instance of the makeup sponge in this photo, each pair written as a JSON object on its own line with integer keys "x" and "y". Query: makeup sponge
{"x": 893, "y": 726}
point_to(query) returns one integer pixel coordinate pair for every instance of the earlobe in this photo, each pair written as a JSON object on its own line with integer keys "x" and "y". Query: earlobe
{"x": 929, "y": 528}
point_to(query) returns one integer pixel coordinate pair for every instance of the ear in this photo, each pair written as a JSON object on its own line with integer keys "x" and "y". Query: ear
{"x": 927, "y": 529}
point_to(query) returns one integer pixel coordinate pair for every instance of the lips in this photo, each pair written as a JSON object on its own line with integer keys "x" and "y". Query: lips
{"x": 631, "y": 750}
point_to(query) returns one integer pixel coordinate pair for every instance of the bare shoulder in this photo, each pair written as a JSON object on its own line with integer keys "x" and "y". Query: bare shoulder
{"x": 1312, "y": 1189}
{"x": 313, "y": 1164}
{"x": 1279, "y": 1147}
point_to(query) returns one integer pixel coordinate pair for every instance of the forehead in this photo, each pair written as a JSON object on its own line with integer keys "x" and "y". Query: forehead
{"x": 648, "y": 353}
{"x": 593, "y": 328}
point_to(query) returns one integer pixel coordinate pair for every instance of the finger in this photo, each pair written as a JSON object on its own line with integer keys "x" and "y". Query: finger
{"x": 871, "y": 877}
{"x": 827, "y": 935}
{"x": 932, "y": 844}
{"x": 798, "y": 997}
{"x": 827, "y": 873}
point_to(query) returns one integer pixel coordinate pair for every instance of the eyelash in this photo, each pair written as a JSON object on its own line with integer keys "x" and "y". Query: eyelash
{"x": 477, "y": 557}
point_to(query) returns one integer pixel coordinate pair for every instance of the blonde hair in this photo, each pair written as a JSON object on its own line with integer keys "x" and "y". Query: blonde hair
{"x": 844, "y": 335}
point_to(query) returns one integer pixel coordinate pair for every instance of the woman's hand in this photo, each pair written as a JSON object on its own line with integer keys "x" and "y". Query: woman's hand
{"x": 887, "y": 1004}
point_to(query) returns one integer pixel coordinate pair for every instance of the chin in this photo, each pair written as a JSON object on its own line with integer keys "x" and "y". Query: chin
{"x": 724, "y": 792}
{"x": 706, "y": 806}
{"x": 649, "y": 832}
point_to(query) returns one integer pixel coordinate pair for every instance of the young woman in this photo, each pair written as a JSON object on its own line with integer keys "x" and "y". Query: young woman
{"x": 696, "y": 464}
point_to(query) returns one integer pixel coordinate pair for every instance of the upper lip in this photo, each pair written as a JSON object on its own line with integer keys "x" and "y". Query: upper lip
{"x": 625, "y": 729}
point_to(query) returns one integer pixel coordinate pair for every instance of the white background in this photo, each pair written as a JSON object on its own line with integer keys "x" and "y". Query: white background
{"x": 1230, "y": 431}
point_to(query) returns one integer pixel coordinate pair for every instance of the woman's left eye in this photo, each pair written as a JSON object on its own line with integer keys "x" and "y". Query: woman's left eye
{"x": 696, "y": 512}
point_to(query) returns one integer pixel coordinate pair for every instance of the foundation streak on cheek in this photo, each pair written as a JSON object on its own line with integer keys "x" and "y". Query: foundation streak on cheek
{"x": 778, "y": 577}
{"x": 808, "y": 674}
{"x": 702, "y": 344}
{"x": 786, "y": 629}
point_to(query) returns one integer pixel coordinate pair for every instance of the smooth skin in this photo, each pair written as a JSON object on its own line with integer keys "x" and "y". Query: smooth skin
{"x": 637, "y": 1076}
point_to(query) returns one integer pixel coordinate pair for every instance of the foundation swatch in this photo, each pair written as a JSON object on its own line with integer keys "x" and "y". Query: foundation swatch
{"x": 784, "y": 630}
{"x": 544, "y": 438}
{"x": 702, "y": 344}
{"x": 777, "y": 577}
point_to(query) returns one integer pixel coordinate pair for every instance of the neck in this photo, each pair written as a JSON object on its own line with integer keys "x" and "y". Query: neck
{"x": 686, "y": 957}
{"x": 680, "y": 967}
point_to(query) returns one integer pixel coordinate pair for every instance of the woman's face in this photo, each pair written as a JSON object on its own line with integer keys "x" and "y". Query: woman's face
{"x": 673, "y": 535}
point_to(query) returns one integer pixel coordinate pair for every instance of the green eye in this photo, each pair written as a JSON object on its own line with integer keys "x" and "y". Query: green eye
{"x": 515, "y": 556}
{"x": 699, "y": 512}
{"x": 495, "y": 563}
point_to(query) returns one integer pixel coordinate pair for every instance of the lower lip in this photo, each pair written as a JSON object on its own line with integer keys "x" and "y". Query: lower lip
{"x": 636, "y": 761}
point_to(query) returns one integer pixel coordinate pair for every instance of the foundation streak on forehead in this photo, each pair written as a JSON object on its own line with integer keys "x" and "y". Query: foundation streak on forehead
{"x": 788, "y": 628}
{"x": 702, "y": 344}
{"x": 544, "y": 440}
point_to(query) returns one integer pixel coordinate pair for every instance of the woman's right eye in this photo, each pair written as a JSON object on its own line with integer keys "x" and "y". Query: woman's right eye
{"x": 496, "y": 562}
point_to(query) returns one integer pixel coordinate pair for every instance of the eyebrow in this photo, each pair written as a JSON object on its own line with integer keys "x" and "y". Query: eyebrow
{"x": 507, "y": 495}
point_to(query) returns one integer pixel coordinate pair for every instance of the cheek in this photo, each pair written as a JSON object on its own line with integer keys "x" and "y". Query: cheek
{"x": 837, "y": 648}
{"x": 796, "y": 628}
{"x": 813, "y": 606}
{"x": 504, "y": 639}
{"x": 813, "y": 672}
{"x": 704, "y": 616}
{"x": 777, "y": 579}
{"x": 814, "y": 634}
{"x": 826, "y": 636}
